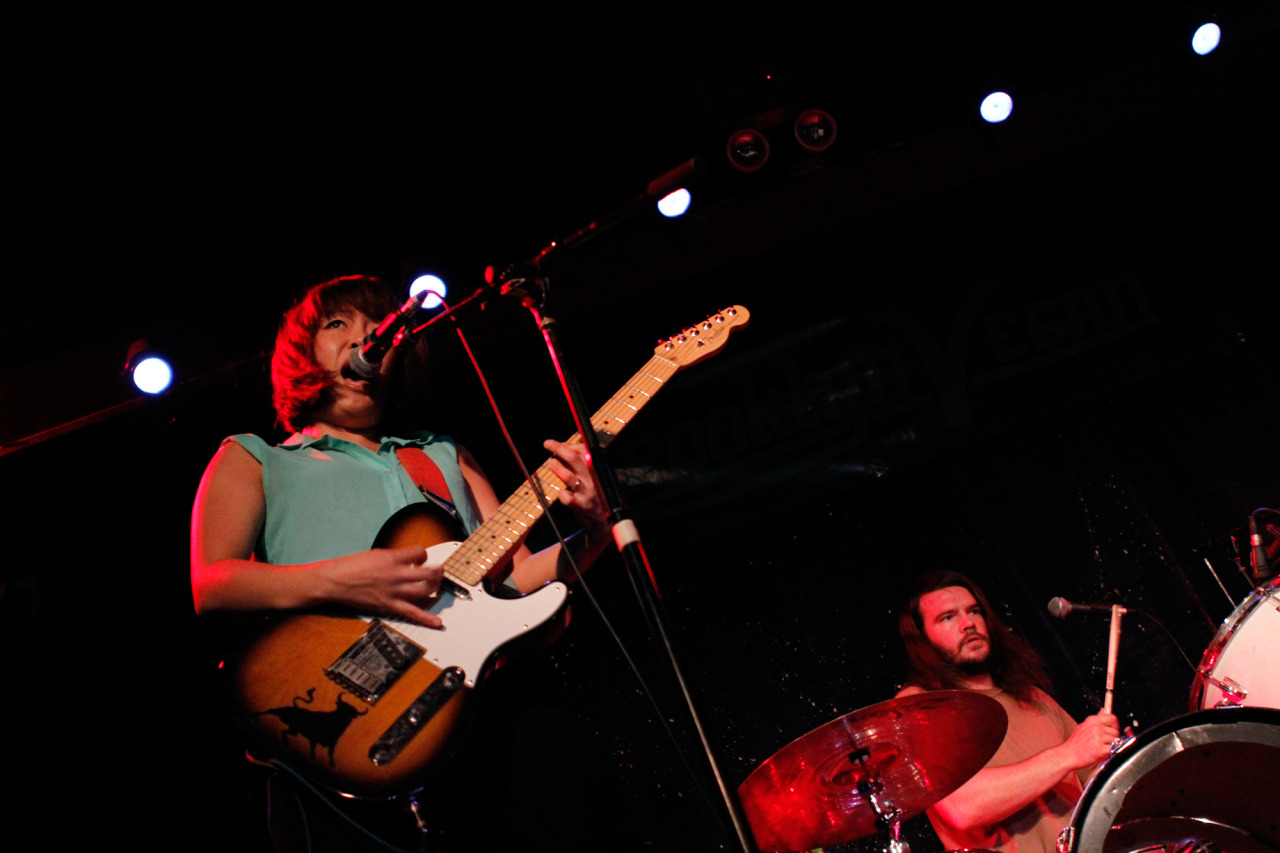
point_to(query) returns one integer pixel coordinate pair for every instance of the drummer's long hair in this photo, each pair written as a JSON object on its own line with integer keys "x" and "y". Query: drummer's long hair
{"x": 1015, "y": 667}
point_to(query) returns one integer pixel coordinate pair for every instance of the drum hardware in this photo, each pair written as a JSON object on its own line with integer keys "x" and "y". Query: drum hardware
{"x": 1221, "y": 585}
{"x": 1123, "y": 741}
{"x": 1232, "y": 694}
{"x": 870, "y": 770}
{"x": 870, "y": 786}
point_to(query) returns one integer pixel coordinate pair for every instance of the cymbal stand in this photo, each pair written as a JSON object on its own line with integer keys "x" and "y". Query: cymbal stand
{"x": 888, "y": 817}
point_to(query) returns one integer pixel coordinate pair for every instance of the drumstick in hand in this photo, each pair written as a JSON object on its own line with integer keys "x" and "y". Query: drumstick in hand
{"x": 1112, "y": 648}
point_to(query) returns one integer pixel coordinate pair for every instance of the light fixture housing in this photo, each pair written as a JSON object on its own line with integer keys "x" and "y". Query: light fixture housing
{"x": 747, "y": 150}
{"x": 815, "y": 130}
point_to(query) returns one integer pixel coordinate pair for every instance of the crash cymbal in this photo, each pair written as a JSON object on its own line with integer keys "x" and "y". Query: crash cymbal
{"x": 918, "y": 748}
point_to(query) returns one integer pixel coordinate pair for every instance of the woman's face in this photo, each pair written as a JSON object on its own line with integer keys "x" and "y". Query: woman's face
{"x": 348, "y": 402}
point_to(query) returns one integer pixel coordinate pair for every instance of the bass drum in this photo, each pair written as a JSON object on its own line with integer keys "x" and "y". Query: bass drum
{"x": 1212, "y": 777}
{"x": 1243, "y": 654}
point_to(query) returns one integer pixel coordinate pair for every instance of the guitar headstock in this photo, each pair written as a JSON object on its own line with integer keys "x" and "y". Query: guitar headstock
{"x": 703, "y": 340}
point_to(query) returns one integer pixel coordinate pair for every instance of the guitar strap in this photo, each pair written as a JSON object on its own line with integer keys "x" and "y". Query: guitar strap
{"x": 427, "y": 476}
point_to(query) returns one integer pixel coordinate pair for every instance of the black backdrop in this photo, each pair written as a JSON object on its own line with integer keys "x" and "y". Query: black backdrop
{"x": 1060, "y": 379}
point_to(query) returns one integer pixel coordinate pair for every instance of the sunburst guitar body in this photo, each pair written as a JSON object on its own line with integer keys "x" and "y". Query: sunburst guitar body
{"x": 364, "y": 706}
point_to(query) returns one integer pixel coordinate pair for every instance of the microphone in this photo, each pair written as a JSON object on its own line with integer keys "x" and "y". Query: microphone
{"x": 1060, "y": 607}
{"x": 1261, "y": 571}
{"x": 390, "y": 332}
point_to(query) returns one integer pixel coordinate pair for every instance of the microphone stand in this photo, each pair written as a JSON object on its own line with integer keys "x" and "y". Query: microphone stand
{"x": 532, "y": 290}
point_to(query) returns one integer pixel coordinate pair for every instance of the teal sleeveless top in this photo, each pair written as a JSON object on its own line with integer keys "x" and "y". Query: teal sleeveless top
{"x": 327, "y": 497}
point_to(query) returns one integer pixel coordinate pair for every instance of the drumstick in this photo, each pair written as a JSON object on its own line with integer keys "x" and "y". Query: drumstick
{"x": 1112, "y": 648}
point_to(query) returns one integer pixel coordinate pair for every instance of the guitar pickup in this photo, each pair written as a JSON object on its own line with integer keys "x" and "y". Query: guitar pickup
{"x": 374, "y": 662}
{"x": 417, "y": 715}
{"x": 455, "y": 589}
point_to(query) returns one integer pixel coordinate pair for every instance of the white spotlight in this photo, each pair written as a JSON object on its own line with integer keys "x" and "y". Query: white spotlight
{"x": 996, "y": 107}
{"x": 675, "y": 203}
{"x": 435, "y": 287}
{"x": 149, "y": 371}
{"x": 1206, "y": 39}
{"x": 152, "y": 375}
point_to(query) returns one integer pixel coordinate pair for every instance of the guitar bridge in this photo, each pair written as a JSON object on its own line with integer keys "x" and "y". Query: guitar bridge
{"x": 416, "y": 716}
{"x": 374, "y": 662}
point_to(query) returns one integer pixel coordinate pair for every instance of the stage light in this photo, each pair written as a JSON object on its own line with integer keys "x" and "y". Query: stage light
{"x": 747, "y": 150}
{"x": 150, "y": 372}
{"x": 996, "y": 107}
{"x": 815, "y": 130}
{"x": 435, "y": 287}
{"x": 675, "y": 203}
{"x": 153, "y": 375}
{"x": 1206, "y": 39}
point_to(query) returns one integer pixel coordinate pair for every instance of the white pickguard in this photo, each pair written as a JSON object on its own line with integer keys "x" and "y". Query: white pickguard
{"x": 476, "y": 627}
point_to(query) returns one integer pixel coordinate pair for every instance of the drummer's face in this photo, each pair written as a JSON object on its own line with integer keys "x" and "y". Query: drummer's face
{"x": 954, "y": 623}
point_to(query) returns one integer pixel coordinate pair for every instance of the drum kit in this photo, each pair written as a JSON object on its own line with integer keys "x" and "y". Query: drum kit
{"x": 1206, "y": 781}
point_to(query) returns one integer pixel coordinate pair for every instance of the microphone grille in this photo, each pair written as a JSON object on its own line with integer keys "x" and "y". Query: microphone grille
{"x": 361, "y": 366}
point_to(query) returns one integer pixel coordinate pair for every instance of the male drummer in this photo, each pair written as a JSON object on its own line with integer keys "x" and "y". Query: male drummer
{"x": 1024, "y": 796}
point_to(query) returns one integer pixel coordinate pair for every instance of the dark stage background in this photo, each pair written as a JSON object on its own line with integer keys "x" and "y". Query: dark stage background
{"x": 1044, "y": 355}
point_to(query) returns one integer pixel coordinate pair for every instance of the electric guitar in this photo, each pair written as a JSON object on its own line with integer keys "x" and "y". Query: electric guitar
{"x": 367, "y": 706}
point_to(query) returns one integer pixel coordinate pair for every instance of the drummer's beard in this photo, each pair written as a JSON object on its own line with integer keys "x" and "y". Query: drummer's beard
{"x": 975, "y": 660}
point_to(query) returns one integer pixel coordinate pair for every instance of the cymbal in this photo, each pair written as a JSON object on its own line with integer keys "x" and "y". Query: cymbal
{"x": 920, "y": 747}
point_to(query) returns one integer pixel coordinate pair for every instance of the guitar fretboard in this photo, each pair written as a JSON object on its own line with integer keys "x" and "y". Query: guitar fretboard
{"x": 504, "y": 530}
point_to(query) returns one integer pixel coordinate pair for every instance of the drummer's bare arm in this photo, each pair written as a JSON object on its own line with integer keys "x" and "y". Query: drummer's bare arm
{"x": 994, "y": 793}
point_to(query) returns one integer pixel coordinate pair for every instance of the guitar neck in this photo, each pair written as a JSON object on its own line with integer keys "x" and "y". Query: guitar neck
{"x": 505, "y": 529}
